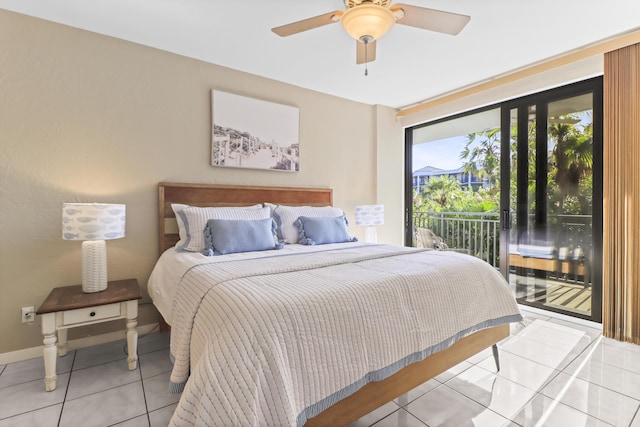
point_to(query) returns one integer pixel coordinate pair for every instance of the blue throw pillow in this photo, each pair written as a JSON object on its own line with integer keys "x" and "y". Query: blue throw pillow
{"x": 228, "y": 236}
{"x": 322, "y": 230}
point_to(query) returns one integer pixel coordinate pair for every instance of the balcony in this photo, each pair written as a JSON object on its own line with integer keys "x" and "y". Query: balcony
{"x": 477, "y": 233}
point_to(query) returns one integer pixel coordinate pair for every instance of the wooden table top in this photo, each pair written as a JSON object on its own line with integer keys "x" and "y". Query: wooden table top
{"x": 72, "y": 297}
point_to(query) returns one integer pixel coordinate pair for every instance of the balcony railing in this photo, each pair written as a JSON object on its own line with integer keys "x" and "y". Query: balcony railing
{"x": 478, "y": 233}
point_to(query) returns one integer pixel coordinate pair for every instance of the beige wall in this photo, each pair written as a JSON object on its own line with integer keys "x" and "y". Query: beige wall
{"x": 390, "y": 175}
{"x": 84, "y": 117}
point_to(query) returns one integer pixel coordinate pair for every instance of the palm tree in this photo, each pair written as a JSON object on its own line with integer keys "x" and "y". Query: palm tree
{"x": 439, "y": 194}
{"x": 481, "y": 154}
{"x": 572, "y": 157}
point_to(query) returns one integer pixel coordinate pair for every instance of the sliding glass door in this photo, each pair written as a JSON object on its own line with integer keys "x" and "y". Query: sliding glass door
{"x": 552, "y": 204}
{"x": 518, "y": 185}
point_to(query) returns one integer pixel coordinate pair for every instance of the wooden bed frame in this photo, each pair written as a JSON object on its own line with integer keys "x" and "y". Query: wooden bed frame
{"x": 372, "y": 395}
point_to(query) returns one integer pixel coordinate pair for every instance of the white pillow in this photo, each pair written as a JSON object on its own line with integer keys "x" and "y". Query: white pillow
{"x": 177, "y": 207}
{"x": 192, "y": 221}
{"x": 286, "y": 216}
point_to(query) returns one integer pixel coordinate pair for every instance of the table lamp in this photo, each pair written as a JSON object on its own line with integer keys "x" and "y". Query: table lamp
{"x": 93, "y": 223}
{"x": 370, "y": 216}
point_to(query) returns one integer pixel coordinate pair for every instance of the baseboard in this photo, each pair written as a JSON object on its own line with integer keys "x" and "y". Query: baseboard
{"x": 33, "y": 352}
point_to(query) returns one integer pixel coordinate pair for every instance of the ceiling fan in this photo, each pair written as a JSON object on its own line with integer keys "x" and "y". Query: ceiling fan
{"x": 368, "y": 20}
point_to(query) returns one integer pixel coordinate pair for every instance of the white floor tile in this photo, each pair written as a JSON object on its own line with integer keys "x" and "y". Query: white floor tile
{"x": 99, "y": 354}
{"x": 399, "y": 418}
{"x": 599, "y": 402}
{"x": 102, "y": 377}
{"x": 105, "y": 408}
{"x": 25, "y": 397}
{"x": 622, "y": 355}
{"x": 153, "y": 341}
{"x": 492, "y": 391}
{"x": 594, "y": 330}
{"x": 32, "y": 369}
{"x": 416, "y": 392}
{"x": 445, "y": 407}
{"x": 375, "y": 415}
{"x": 633, "y": 348}
{"x": 542, "y": 411}
{"x": 557, "y": 336}
{"x": 156, "y": 391}
{"x": 141, "y": 421}
{"x": 155, "y": 363}
{"x": 161, "y": 417}
{"x": 553, "y": 357}
{"x": 528, "y": 373}
{"x": 45, "y": 417}
{"x": 605, "y": 375}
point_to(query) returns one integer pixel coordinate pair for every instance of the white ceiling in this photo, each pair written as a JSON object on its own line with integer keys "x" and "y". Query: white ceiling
{"x": 412, "y": 64}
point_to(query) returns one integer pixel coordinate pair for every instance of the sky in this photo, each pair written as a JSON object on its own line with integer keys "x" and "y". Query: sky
{"x": 443, "y": 154}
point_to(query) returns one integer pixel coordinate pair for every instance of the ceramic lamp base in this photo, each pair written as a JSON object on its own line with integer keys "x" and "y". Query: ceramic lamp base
{"x": 371, "y": 235}
{"x": 94, "y": 266}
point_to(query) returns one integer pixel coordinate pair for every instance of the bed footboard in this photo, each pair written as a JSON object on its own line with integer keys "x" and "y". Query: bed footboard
{"x": 376, "y": 394}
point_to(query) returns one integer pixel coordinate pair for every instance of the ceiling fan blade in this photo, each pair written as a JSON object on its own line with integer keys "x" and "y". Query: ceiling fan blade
{"x": 370, "y": 56}
{"x": 431, "y": 19}
{"x": 307, "y": 24}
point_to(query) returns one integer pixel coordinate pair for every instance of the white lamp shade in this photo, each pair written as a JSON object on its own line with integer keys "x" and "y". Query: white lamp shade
{"x": 92, "y": 221}
{"x": 369, "y": 215}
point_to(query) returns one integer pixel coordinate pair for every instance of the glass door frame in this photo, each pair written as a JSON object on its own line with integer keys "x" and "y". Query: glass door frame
{"x": 408, "y": 166}
{"x": 541, "y": 101}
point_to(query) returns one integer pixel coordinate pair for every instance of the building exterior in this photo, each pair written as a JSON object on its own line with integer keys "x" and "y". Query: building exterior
{"x": 423, "y": 175}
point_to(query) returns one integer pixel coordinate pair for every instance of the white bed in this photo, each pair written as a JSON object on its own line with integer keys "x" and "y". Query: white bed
{"x": 307, "y": 335}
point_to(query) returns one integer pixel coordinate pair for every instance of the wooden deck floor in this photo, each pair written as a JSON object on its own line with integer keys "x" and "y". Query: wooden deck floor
{"x": 553, "y": 293}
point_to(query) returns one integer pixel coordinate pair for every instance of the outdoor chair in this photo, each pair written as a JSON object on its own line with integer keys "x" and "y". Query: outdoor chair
{"x": 426, "y": 238}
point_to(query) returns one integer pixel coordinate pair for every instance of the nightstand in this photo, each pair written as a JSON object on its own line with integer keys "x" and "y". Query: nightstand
{"x": 69, "y": 307}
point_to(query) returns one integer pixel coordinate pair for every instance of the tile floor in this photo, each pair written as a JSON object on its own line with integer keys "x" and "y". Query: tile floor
{"x": 553, "y": 373}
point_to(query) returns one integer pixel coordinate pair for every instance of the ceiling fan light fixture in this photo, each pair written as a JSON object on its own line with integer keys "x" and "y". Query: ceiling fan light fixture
{"x": 367, "y": 20}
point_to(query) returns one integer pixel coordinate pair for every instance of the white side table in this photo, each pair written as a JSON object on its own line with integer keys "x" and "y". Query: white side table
{"x": 69, "y": 307}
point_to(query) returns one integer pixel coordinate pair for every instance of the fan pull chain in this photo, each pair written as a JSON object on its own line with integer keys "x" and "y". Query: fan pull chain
{"x": 366, "y": 59}
{"x": 366, "y": 39}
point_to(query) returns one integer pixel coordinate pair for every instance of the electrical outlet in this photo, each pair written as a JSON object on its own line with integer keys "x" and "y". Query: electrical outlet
{"x": 28, "y": 314}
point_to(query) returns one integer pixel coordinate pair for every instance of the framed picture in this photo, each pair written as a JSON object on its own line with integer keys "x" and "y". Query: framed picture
{"x": 254, "y": 134}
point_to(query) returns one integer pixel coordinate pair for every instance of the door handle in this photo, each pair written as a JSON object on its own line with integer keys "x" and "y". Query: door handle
{"x": 505, "y": 219}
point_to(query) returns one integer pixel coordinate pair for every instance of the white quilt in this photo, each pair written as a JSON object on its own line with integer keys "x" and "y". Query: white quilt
{"x": 275, "y": 340}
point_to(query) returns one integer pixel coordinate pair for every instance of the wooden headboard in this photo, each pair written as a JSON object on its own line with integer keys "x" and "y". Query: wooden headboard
{"x": 227, "y": 195}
